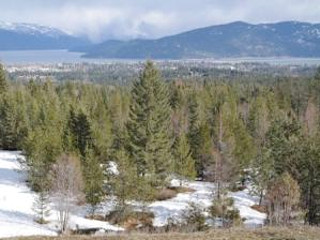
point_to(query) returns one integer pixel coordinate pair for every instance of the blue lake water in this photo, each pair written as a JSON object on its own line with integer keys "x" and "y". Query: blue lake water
{"x": 39, "y": 56}
{"x": 64, "y": 56}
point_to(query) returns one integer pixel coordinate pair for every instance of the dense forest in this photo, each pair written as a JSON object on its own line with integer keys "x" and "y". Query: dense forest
{"x": 262, "y": 133}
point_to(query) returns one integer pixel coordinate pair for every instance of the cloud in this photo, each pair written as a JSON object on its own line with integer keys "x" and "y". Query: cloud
{"x": 125, "y": 19}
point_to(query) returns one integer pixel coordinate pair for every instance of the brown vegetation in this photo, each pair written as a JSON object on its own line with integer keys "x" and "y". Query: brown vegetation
{"x": 171, "y": 192}
{"x": 294, "y": 233}
{"x": 260, "y": 208}
{"x": 165, "y": 194}
{"x": 130, "y": 220}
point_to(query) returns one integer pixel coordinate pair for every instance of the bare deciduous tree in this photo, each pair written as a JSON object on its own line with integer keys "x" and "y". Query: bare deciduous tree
{"x": 67, "y": 187}
{"x": 311, "y": 118}
{"x": 283, "y": 195}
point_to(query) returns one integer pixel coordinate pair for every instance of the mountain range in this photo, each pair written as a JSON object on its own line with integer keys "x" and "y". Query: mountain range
{"x": 24, "y": 36}
{"x": 237, "y": 39}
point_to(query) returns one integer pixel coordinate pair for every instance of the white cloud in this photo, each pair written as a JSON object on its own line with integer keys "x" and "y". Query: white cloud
{"x": 105, "y": 19}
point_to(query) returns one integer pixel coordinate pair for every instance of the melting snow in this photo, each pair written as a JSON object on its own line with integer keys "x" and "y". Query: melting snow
{"x": 203, "y": 195}
{"x": 17, "y": 217}
{"x": 16, "y": 200}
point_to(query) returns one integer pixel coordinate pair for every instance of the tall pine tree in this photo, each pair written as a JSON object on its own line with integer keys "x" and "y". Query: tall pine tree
{"x": 3, "y": 81}
{"x": 184, "y": 164}
{"x": 149, "y": 125}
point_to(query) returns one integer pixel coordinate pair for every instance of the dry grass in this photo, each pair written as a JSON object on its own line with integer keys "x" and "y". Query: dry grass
{"x": 171, "y": 192}
{"x": 165, "y": 194}
{"x": 262, "y": 209}
{"x": 182, "y": 189}
{"x": 130, "y": 219}
{"x": 292, "y": 233}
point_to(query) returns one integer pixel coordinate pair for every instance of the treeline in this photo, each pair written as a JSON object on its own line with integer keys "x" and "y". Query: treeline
{"x": 229, "y": 132}
{"x": 123, "y": 73}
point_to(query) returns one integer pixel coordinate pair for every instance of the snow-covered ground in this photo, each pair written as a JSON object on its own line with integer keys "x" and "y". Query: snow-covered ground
{"x": 17, "y": 217}
{"x": 202, "y": 196}
{"x": 16, "y": 201}
{"x": 174, "y": 208}
{"x": 243, "y": 202}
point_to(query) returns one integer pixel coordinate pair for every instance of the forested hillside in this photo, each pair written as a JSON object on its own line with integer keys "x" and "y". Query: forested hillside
{"x": 236, "y": 39}
{"x": 228, "y": 132}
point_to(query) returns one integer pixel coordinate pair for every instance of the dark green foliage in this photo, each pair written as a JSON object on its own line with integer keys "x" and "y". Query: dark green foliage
{"x": 3, "y": 81}
{"x": 196, "y": 134}
{"x": 41, "y": 148}
{"x": 94, "y": 181}
{"x": 284, "y": 141}
{"x": 80, "y": 131}
{"x": 184, "y": 164}
{"x": 218, "y": 130}
{"x": 149, "y": 126}
{"x": 308, "y": 176}
{"x": 8, "y": 135}
{"x": 194, "y": 218}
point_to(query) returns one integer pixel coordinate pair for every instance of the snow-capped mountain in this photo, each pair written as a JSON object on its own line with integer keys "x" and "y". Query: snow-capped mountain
{"x": 26, "y": 36}
{"x": 32, "y": 29}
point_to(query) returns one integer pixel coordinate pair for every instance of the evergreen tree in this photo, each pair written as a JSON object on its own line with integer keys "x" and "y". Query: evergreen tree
{"x": 94, "y": 179}
{"x": 124, "y": 181}
{"x": 41, "y": 148}
{"x": 101, "y": 128}
{"x": 308, "y": 175}
{"x": 8, "y": 136}
{"x": 3, "y": 81}
{"x": 80, "y": 131}
{"x": 284, "y": 144}
{"x": 41, "y": 207}
{"x": 315, "y": 87}
{"x": 184, "y": 164}
{"x": 149, "y": 125}
{"x": 195, "y": 134}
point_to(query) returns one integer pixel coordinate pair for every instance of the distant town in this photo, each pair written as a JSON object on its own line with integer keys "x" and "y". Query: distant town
{"x": 121, "y": 72}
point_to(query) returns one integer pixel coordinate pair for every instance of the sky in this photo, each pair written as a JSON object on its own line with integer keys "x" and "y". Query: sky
{"x": 126, "y": 19}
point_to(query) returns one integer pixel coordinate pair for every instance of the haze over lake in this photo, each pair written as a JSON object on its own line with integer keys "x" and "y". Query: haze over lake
{"x": 39, "y": 56}
{"x": 64, "y": 56}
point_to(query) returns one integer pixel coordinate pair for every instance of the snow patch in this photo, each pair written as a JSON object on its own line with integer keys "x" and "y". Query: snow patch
{"x": 203, "y": 195}
{"x": 16, "y": 201}
{"x": 243, "y": 201}
{"x": 17, "y": 217}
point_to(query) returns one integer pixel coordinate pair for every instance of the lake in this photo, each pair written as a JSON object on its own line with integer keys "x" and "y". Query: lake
{"x": 40, "y": 56}
{"x": 64, "y": 56}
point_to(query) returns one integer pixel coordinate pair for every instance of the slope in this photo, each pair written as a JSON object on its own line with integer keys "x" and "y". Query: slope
{"x": 237, "y": 39}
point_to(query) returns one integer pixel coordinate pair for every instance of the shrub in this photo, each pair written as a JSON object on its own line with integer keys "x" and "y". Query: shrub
{"x": 194, "y": 219}
{"x": 130, "y": 219}
{"x": 165, "y": 194}
{"x": 222, "y": 209}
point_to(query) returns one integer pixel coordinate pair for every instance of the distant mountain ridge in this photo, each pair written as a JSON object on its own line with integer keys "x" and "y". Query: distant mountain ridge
{"x": 25, "y": 36}
{"x": 237, "y": 39}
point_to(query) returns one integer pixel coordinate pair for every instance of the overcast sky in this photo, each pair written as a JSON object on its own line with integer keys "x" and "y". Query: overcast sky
{"x": 106, "y": 19}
